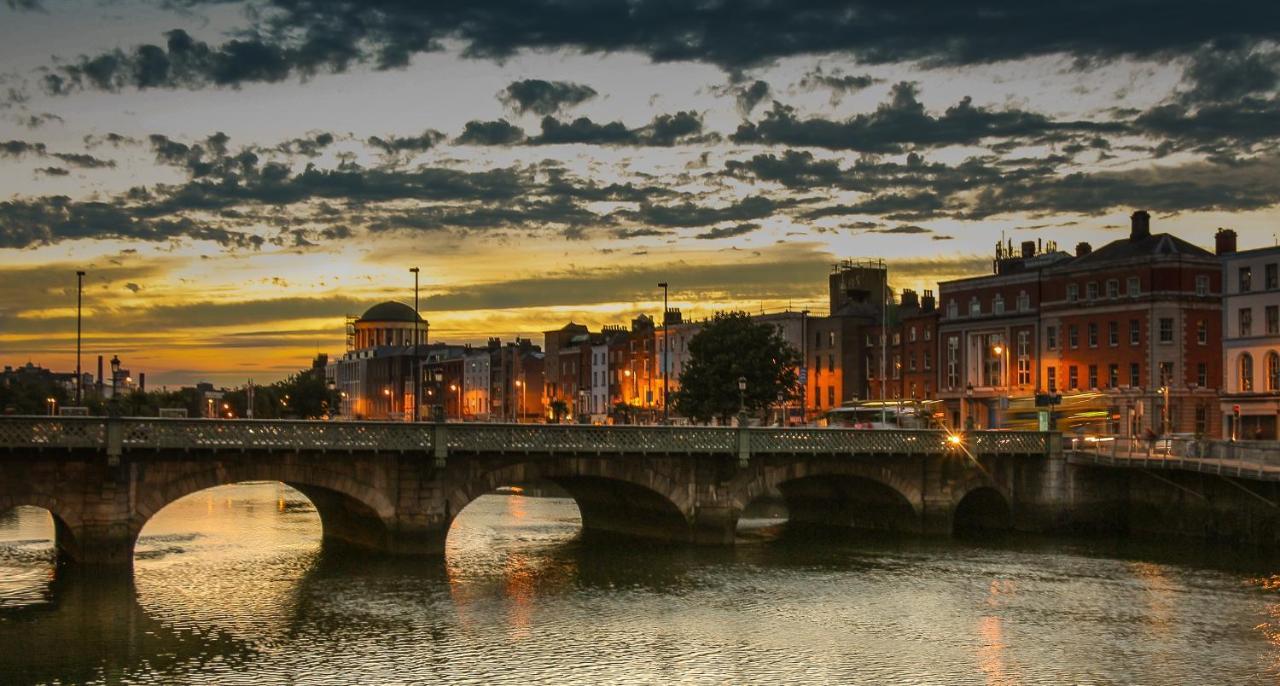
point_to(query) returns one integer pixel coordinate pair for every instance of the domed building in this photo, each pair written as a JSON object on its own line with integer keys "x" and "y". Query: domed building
{"x": 374, "y": 377}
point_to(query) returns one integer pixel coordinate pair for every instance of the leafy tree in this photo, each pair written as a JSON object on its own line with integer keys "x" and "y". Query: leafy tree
{"x": 622, "y": 413}
{"x": 559, "y": 409}
{"x": 729, "y": 347}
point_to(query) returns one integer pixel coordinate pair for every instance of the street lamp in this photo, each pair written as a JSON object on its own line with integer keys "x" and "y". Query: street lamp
{"x": 417, "y": 381}
{"x": 79, "y": 293}
{"x": 518, "y": 406}
{"x": 53, "y": 405}
{"x": 457, "y": 400}
{"x": 115, "y": 373}
{"x": 665, "y": 353}
{"x": 742, "y": 401}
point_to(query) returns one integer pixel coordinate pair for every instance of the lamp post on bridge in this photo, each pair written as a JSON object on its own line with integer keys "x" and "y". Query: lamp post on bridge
{"x": 79, "y": 301}
{"x": 417, "y": 380}
{"x": 742, "y": 401}
{"x": 666, "y": 347}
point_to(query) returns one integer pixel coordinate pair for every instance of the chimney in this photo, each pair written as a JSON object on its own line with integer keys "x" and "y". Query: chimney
{"x": 1225, "y": 241}
{"x": 99, "y": 373}
{"x": 1028, "y": 249}
{"x": 927, "y": 303}
{"x": 909, "y": 298}
{"x": 1140, "y": 222}
{"x": 142, "y": 381}
{"x": 1083, "y": 248}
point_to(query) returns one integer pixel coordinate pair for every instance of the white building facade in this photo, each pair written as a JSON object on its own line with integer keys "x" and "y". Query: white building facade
{"x": 1250, "y": 402}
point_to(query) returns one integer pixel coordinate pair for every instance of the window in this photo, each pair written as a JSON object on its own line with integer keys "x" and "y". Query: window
{"x": 1073, "y": 292}
{"x": 1246, "y": 279}
{"x": 1202, "y": 419}
{"x": 1073, "y": 378}
{"x": 1202, "y": 374}
{"x": 1113, "y": 288}
{"x": 1091, "y": 290}
{"x": 1113, "y": 333}
{"x": 928, "y": 360}
{"x": 817, "y": 339}
{"x": 897, "y": 337}
{"x": 1051, "y": 337}
{"x": 953, "y": 357}
{"x": 1202, "y": 284}
{"x": 1135, "y": 332}
{"x": 952, "y": 310}
{"x": 817, "y": 365}
{"x": 975, "y": 306}
{"x": 1272, "y": 277}
{"x": 1053, "y": 379}
{"x": 1133, "y": 286}
{"x": 831, "y": 362}
{"x": 997, "y": 304}
{"x": 831, "y": 339}
{"x": 1024, "y": 358}
{"x": 1273, "y": 371}
{"x": 1202, "y": 332}
{"x": 1273, "y": 319}
{"x": 1166, "y": 330}
{"x": 1246, "y": 321}
{"x": 1024, "y": 301}
{"x": 1246, "y": 373}
{"x": 928, "y": 333}
{"x": 911, "y": 335}
{"x": 817, "y": 396}
{"x": 1093, "y": 334}
{"x": 911, "y": 361}
{"x": 1113, "y": 375}
{"x": 1166, "y": 373}
{"x": 831, "y": 396}
{"x": 1093, "y": 376}
{"x": 1073, "y": 336}
{"x": 1135, "y": 370}
{"x": 897, "y": 366}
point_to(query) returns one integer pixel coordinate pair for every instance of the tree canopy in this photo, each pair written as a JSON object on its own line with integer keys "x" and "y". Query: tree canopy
{"x": 731, "y": 346}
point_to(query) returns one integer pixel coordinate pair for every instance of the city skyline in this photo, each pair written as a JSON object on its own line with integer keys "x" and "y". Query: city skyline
{"x": 236, "y": 182}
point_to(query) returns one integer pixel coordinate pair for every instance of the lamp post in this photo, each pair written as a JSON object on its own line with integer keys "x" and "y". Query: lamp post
{"x": 626, "y": 373}
{"x": 457, "y": 402}
{"x": 115, "y": 373}
{"x": 79, "y": 293}
{"x": 53, "y": 405}
{"x": 518, "y": 406}
{"x": 417, "y": 381}
{"x": 742, "y": 401}
{"x": 781, "y": 410}
{"x": 391, "y": 401}
{"x": 666, "y": 415}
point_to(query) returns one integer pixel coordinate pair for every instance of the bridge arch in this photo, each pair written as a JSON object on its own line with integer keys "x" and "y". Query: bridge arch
{"x": 633, "y": 503}
{"x": 981, "y": 507}
{"x": 845, "y": 493}
{"x": 65, "y": 521}
{"x": 351, "y": 512}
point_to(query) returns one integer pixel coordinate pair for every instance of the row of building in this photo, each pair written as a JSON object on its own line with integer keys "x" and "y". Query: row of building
{"x": 1174, "y": 337}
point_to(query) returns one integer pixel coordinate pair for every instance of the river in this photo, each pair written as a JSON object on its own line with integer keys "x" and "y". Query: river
{"x": 231, "y": 586}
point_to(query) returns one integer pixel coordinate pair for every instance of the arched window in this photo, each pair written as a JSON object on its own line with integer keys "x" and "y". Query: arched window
{"x": 1246, "y": 373}
{"x": 1273, "y": 371}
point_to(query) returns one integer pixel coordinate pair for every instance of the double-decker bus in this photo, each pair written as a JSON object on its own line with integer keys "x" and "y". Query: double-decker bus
{"x": 1081, "y": 413}
{"x": 883, "y": 414}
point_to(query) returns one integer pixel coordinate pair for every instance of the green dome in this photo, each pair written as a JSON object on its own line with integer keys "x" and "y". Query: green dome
{"x": 390, "y": 311}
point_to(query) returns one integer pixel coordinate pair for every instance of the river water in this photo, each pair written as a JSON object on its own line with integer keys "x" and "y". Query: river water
{"x": 231, "y": 586}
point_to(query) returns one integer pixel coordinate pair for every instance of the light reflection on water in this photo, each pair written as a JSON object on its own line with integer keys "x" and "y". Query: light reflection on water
{"x": 231, "y": 586}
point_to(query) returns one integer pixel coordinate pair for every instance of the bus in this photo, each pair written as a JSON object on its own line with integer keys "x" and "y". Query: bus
{"x": 1079, "y": 413}
{"x": 883, "y": 414}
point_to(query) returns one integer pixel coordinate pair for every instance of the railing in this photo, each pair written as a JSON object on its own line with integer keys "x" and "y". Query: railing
{"x": 1247, "y": 459}
{"x": 144, "y": 433}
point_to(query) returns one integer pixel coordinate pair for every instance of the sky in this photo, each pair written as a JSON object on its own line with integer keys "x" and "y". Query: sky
{"x": 237, "y": 177}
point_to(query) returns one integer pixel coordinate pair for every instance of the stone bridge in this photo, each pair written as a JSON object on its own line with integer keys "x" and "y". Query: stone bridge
{"x": 396, "y": 487}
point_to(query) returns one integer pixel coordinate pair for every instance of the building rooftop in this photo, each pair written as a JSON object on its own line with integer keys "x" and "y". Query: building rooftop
{"x": 390, "y": 311}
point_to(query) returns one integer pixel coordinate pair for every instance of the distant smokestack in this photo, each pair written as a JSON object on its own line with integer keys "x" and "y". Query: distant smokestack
{"x": 1028, "y": 248}
{"x": 928, "y": 302}
{"x": 99, "y": 383}
{"x": 142, "y": 381}
{"x": 1083, "y": 248}
{"x": 1225, "y": 241}
{"x": 1140, "y": 223}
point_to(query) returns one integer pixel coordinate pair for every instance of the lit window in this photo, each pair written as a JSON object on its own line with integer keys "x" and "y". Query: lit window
{"x": 1246, "y": 373}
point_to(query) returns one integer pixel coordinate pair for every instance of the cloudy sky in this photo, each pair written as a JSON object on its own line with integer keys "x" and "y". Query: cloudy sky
{"x": 237, "y": 176}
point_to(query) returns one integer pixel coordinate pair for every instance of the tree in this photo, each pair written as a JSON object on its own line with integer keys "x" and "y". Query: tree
{"x": 559, "y": 409}
{"x": 729, "y": 347}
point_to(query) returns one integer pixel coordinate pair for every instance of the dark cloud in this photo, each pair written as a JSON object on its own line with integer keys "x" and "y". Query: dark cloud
{"x": 396, "y": 145}
{"x": 24, "y": 5}
{"x": 36, "y": 121}
{"x": 1222, "y": 75}
{"x": 84, "y": 161}
{"x": 904, "y": 229}
{"x": 903, "y": 123}
{"x": 21, "y": 148}
{"x": 839, "y": 83}
{"x": 544, "y": 97}
{"x": 115, "y": 140}
{"x": 639, "y": 233}
{"x": 52, "y": 171}
{"x": 301, "y": 38}
{"x": 689, "y": 214}
{"x": 750, "y": 95}
{"x": 500, "y": 132}
{"x": 309, "y": 146}
{"x": 663, "y": 130}
{"x": 728, "y": 231}
{"x": 53, "y": 219}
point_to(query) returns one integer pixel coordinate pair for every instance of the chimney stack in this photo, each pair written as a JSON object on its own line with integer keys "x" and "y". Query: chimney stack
{"x": 1225, "y": 241}
{"x": 909, "y": 299}
{"x": 928, "y": 302}
{"x": 1140, "y": 223}
{"x": 1028, "y": 249}
{"x": 1083, "y": 248}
